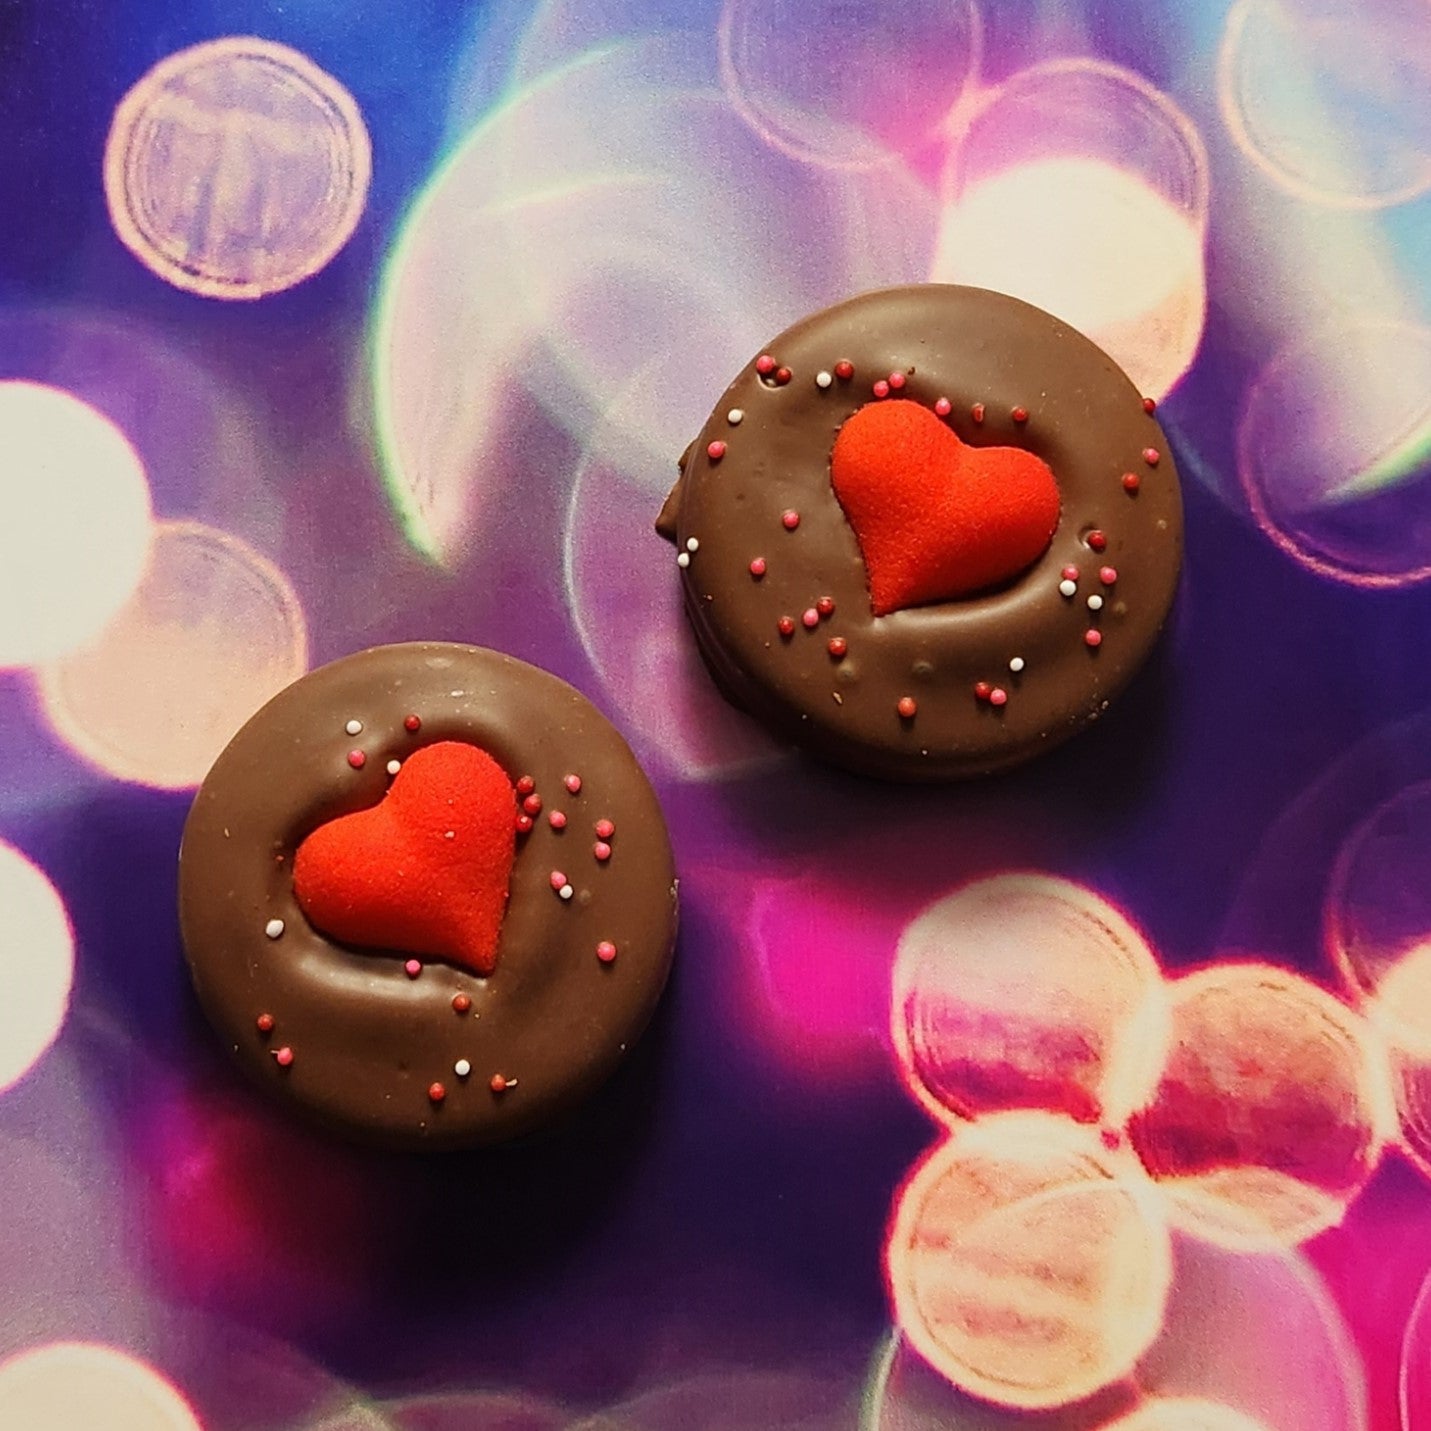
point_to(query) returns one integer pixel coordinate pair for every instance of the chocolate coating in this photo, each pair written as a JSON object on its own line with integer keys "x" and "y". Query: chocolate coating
{"x": 368, "y": 1040}
{"x": 969, "y": 346}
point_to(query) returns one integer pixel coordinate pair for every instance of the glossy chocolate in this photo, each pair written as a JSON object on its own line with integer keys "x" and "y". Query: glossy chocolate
{"x": 368, "y": 1041}
{"x": 978, "y": 350}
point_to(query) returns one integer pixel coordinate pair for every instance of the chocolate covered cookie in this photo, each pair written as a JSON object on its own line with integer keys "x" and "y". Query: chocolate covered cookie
{"x": 427, "y": 896}
{"x": 929, "y": 533}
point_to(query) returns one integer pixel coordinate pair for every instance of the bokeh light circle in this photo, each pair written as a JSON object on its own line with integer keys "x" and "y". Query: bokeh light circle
{"x": 1271, "y": 1111}
{"x": 823, "y": 86}
{"x": 36, "y": 965}
{"x": 1027, "y": 991}
{"x": 76, "y": 1384}
{"x": 236, "y": 168}
{"x": 76, "y": 526}
{"x": 1079, "y": 187}
{"x": 1183, "y": 1413}
{"x": 212, "y": 632}
{"x": 1345, "y": 497}
{"x": 1331, "y": 99}
{"x": 1027, "y": 1262}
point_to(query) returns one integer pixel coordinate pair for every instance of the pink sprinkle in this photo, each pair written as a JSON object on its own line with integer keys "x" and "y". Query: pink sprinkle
{"x": 604, "y": 829}
{"x": 1151, "y": 456}
{"x": 357, "y": 759}
{"x": 715, "y": 451}
{"x": 764, "y": 364}
{"x": 283, "y": 1056}
{"x": 810, "y": 618}
{"x": 412, "y": 968}
{"x": 572, "y": 783}
{"x": 1070, "y": 573}
{"x": 558, "y": 879}
{"x": 998, "y": 696}
{"x": 412, "y": 722}
{"x": 757, "y": 568}
{"x": 896, "y": 380}
{"x": 1092, "y": 637}
{"x": 601, "y": 850}
{"x": 881, "y": 389}
{"x": 1107, "y": 575}
{"x": 943, "y": 407}
{"x": 606, "y": 951}
{"x": 557, "y": 820}
{"x": 790, "y": 520}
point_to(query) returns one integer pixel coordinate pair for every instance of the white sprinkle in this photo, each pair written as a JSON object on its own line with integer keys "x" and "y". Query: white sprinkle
{"x": 692, "y": 545}
{"x": 1016, "y": 664}
{"x": 354, "y": 727}
{"x": 566, "y": 891}
{"x": 394, "y": 766}
{"x": 274, "y": 929}
{"x": 684, "y": 559}
{"x": 735, "y": 416}
{"x": 823, "y": 379}
{"x": 1095, "y": 602}
{"x": 1067, "y": 587}
{"x": 457, "y": 693}
{"x": 449, "y": 834}
{"x": 462, "y": 1068}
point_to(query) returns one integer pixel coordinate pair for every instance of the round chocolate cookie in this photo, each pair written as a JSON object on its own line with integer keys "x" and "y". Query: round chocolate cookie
{"x": 929, "y": 533}
{"x": 427, "y": 896}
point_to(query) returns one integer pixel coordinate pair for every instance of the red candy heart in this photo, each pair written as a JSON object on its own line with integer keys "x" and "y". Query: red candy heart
{"x": 424, "y": 871}
{"x": 934, "y": 517}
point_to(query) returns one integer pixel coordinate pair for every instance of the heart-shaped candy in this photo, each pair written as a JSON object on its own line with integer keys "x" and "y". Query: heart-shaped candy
{"x": 935, "y": 518}
{"x": 424, "y": 871}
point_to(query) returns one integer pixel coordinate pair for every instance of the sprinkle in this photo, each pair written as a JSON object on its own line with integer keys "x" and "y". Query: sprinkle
{"x": 715, "y": 451}
{"x": 602, "y": 851}
{"x": 1067, "y": 588}
{"x": 524, "y": 824}
{"x": 825, "y": 606}
{"x": 809, "y": 618}
{"x": 525, "y": 785}
{"x": 786, "y": 625}
{"x": 572, "y": 783}
{"x": 604, "y": 829}
{"x": 1096, "y": 540}
{"x": 977, "y": 412}
{"x": 735, "y": 416}
{"x": 1069, "y": 573}
{"x": 837, "y": 646}
{"x": 1108, "y": 575}
{"x": 896, "y": 381}
{"x": 1095, "y": 602}
{"x": 1150, "y": 405}
{"x": 692, "y": 544}
{"x": 532, "y": 804}
{"x": 357, "y": 759}
{"x": 566, "y": 891}
{"x": 412, "y": 722}
{"x": 683, "y": 560}
{"x": 283, "y": 1057}
{"x": 606, "y": 951}
{"x": 393, "y": 766}
{"x": 354, "y": 727}
{"x": 1092, "y": 637}
{"x": 462, "y": 1068}
{"x": 844, "y": 369}
{"x": 557, "y": 879}
{"x": 790, "y": 519}
{"x": 264, "y": 1023}
{"x": 823, "y": 379}
{"x": 499, "y": 1084}
{"x": 764, "y": 364}
{"x": 783, "y": 376}
{"x": 557, "y": 820}
{"x": 906, "y": 707}
{"x": 1151, "y": 456}
{"x": 880, "y": 389}
{"x": 1020, "y": 414}
{"x": 982, "y": 690}
{"x": 412, "y": 968}
{"x": 757, "y": 567}
{"x": 461, "y": 1003}
{"x": 998, "y": 696}
{"x": 1016, "y": 664}
{"x": 274, "y": 929}
{"x": 436, "y": 1092}
{"x": 943, "y": 407}
{"x": 1130, "y": 482}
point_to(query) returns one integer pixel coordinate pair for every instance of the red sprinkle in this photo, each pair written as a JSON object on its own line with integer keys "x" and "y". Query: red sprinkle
{"x": 1096, "y": 540}
{"x": 896, "y": 380}
{"x": 783, "y": 376}
{"x": 357, "y": 759}
{"x": 1131, "y": 482}
{"x": 786, "y": 625}
{"x": 557, "y": 820}
{"x": 1149, "y": 405}
{"x": 601, "y": 850}
{"x": 715, "y": 451}
{"x": 532, "y": 804}
{"x": 764, "y": 364}
{"x": 283, "y": 1057}
{"x": 1070, "y": 573}
{"x": 1151, "y": 456}
{"x": 526, "y": 785}
{"x": 906, "y": 707}
{"x": 1020, "y": 414}
{"x": 825, "y": 606}
{"x": 572, "y": 783}
{"x": 1107, "y": 575}
{"x": 606, "y": 951}
{"x": 998, "y": 696}
{"x": 461, "y": 1003}
{"x": 412, "y": 968}
{"x": 413, "y": 722}
{"x": 498, "y": 1083}
{"x": 436, "y": 1092}
{"x": 809, "y": 618}
{"x": 977, "y": 412}
{"x": 524, "y": 824}
{"x": 837, "y": 647}
{"x": 880, "y": 389}
{"x": 982, "y": 690}
{"x": 604, "y": 829}
{"x": 943, "y": 407}
{"x": 790, "y": 519}
{"x": 558, "y": 879}
{"x": 1092, "y": 637}
{"x": 265, "y": 1023}
{"x": 845, "y": 369}
{"x": 757, "y": 568}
